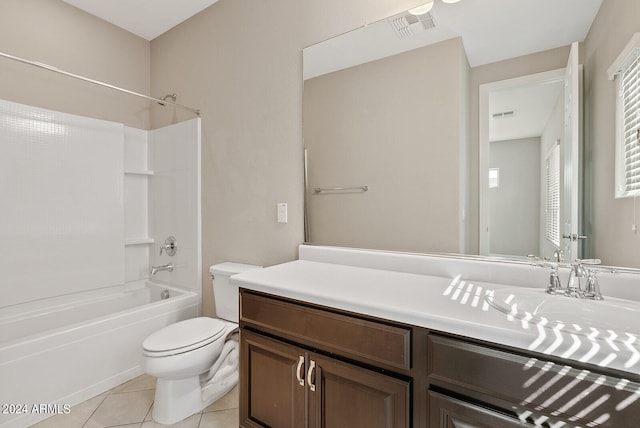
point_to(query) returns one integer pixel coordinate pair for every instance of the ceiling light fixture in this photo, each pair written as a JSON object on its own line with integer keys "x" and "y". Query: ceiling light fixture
{"x": 450, "y": 1}
{"x": 421, "y": 10}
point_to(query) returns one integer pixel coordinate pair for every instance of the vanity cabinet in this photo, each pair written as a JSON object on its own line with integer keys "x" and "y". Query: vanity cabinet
{"x": 480, "y": 385}
{"x": 302, "y": 366}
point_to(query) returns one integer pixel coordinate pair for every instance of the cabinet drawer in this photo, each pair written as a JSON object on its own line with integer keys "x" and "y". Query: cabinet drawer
{"x": 446, "y": 412}
{"x": 534, "y": 386}
{"x": 364, "y": 340}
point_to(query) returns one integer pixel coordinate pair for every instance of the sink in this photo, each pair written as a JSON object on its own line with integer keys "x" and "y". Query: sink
{"x": 616, "y": 319}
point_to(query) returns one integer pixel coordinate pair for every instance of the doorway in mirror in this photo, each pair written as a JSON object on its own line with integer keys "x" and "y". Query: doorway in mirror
{"x": 530, "y": 131}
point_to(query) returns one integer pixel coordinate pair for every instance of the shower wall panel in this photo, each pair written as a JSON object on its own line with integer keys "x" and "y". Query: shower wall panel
{"x": 62, "y": 203}
{"x": 174, "y": 201}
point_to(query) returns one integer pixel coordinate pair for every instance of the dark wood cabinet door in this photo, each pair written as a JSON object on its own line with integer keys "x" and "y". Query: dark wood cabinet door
{"x": 448, "y": 412}
{"x": 343, "y": 395}
{"x": 271, "y": 392}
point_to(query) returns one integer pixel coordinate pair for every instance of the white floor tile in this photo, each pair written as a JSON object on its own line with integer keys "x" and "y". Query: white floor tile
{"x": 122, "y": 408}
{"x": 190, "y": 422}
{"x": 220, "y": 419}
{"x": 79, "y": 414}
{"x": 229, "y": 401}
{"x": 129, "y": 406}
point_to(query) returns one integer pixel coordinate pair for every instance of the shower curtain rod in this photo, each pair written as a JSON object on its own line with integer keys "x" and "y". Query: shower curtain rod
{"x": 97, "y": 82}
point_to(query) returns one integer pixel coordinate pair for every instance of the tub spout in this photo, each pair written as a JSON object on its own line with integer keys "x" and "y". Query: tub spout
{"x": 156, "y": 269}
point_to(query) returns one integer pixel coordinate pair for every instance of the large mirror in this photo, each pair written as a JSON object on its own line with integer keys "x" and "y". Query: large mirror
{"x": 393, "y": 132}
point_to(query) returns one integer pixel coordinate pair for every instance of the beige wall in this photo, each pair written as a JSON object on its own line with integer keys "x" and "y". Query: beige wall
{"x": 242, "y": 68}
{"x": 52, "y": 32}
{"x": 514, "y": 205}
{"x": 240, "y": 62}
{"x": 610, "y": 224}
{"x": 386, "y": 124}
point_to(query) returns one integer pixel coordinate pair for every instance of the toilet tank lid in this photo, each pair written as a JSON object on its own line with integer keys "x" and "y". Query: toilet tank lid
{"x": 230, "y": 268}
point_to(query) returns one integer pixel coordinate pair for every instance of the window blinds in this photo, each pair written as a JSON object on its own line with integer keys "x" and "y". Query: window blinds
{"x": 630, "y": 126}
{"x": 553, "y": 196}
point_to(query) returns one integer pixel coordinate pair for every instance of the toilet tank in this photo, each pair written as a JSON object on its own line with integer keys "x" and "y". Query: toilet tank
{"x": 224, "y": 293}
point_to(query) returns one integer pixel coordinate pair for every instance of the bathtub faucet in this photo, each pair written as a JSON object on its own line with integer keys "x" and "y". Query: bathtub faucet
{"x": 156, "y": 269}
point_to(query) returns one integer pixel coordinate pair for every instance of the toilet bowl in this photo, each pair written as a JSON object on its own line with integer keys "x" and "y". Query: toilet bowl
{"x": 196, "y": 360}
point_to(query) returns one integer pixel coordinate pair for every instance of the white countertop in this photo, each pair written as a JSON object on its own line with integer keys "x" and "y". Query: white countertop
{"x": 447, "y": 304}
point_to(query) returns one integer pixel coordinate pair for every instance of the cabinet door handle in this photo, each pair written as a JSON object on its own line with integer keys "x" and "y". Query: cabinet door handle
{"x": 300, "y": 371}
{"x": 312, "y": 387}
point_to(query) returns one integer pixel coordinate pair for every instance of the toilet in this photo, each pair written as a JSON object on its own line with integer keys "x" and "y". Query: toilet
{"x": 196, "y": 360}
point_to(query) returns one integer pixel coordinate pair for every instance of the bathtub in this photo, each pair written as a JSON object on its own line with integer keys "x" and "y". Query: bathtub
{"x": 61, "y": 351}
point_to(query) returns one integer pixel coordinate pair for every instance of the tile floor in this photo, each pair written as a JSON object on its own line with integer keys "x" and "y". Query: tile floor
{"x": 129, "y": 406}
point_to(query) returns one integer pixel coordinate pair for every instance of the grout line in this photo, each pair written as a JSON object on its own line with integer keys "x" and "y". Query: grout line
{"x": 97, "y": 407}
{"x": 149, "y": 411}
{"x": 200, "y": 420}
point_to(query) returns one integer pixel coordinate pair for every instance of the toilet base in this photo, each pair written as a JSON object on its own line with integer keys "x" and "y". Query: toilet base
{"x": 176, "y": 400}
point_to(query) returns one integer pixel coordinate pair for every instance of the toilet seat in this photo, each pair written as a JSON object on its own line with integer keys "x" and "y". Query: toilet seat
{"x": 183, "y": 336}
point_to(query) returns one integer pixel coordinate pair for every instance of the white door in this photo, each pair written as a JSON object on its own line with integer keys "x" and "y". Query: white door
{"x": 570, "y": 206}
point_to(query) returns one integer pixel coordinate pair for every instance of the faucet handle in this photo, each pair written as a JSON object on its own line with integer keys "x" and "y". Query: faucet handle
{"x": 555, "y": 286}
{"x": 170, "y": 246}
{"x": 592, "y": 290}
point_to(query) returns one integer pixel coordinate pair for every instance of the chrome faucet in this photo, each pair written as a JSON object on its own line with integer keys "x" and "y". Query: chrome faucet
{"x": 558, "y": 255}
{"x": 582, "y": 284}
{"x": 156, "y": 269}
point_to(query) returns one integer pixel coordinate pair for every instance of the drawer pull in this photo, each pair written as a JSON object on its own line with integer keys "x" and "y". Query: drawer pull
{"x": 299, "y": 371}
{"x": 312, "y": 387}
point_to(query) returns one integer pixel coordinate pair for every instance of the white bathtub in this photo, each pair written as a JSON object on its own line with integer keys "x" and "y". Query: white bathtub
{"x": 62, "y": 351}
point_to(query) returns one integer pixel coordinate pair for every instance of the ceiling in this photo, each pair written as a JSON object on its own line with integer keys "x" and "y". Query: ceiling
{"x": 145, "y": 18}
{"x": 491, "y": 31}
{"x": 522, "y": 112}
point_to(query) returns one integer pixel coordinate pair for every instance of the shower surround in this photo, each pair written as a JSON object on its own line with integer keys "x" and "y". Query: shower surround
{"x": 86, "y": 206}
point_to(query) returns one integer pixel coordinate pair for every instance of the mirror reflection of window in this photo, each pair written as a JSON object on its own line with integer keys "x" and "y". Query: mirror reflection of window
{"x": 552, "y": 206}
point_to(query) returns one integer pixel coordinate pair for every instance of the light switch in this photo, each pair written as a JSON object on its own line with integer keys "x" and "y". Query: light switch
{"x": 282, "y": 212}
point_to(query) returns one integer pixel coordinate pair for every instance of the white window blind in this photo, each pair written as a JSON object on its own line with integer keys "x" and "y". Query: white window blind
{"x": 628, "y": 121}
{"x": 552, "y": 225}
{"x": 630, "y": 88}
